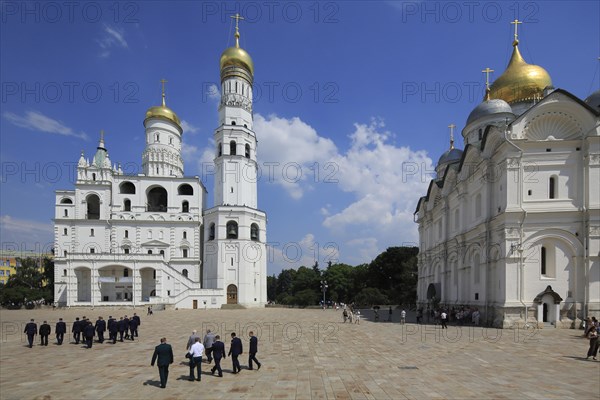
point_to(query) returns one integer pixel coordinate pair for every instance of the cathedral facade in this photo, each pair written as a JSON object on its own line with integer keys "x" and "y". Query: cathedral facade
{"x": 149, "y": 239}
{"x": 511, "y": 224}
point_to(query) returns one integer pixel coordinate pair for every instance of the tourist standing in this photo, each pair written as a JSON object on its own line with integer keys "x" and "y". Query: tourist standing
{"x": 443, "y": 319}
{"x": 163, "y": 356}
{"x": 31, "y": 330}
{"x": 403, "y": 317}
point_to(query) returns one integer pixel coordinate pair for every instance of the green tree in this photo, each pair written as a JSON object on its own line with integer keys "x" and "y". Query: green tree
{"x": 306, "y": 297}
{"x": 394, "y": 272}
{"x": 271, "y": 288}
{"x": 306, "y": 279}
{"x": 340, "y": 282}
{"x": 370, "y": 297}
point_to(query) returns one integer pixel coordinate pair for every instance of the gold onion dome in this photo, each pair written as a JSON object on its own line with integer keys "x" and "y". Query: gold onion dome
{"x": 520, "y": 81}
{"x": 163, "y": 112}
{"x": 236, "y": 56}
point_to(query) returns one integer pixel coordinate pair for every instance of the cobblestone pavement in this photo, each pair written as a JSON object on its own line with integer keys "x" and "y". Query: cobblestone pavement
{"x": 305, "y": 354}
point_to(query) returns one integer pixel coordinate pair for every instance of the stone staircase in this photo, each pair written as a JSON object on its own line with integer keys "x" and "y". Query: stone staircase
{"x": 232, "y": 307}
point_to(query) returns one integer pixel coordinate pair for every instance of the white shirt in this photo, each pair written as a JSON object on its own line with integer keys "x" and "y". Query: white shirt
{"x": 197, "y": 349}
{"x": 403, "y": 314}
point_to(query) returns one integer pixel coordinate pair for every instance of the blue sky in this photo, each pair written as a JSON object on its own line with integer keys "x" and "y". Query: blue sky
{"x": 352, "y": 101}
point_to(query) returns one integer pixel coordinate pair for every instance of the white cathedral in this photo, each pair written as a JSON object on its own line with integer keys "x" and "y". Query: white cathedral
{"x": 148, "y": 239}
{"x": 511, "y": 224}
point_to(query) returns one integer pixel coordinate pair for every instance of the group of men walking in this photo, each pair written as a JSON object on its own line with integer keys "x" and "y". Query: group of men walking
{"x": 84, "y": 331}
{"x": 213, "y": 347}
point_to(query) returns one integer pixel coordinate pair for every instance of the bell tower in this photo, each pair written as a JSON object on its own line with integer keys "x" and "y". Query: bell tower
{"x": 235, "y": 229}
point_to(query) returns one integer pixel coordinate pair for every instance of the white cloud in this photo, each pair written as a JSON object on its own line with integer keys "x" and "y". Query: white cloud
{"x": 294, "y": 147}
{"x": 303, "y": 252}
{"x": 23, "y": 233}
{"x": 384, "y": 181}
{"x": 213, "y": 92}
{"x": 189, "y": 128}
{"x": 36, "y": 121}
{"x": 113, "y": 37}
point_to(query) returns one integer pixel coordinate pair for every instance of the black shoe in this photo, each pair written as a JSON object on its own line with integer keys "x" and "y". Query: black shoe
{"x": 220, "y": 375}
{"x": 249, "y": 369}
{"x": 191, "y": 379}
{"x": 258, "y": 367}
{"x": 198, "y": 379}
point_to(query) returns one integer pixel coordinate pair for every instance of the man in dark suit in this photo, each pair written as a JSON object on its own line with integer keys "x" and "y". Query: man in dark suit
{"x": 77, "y": 328}
{"x": 138, "y": 321}
{"x": 253, "y": 351}
{"x": 100, "y": 329}
{"x": 109, "y": 324}
{"x": 44, "y": 333}
{"x": 164, "y": 353}
{"x": 234, "y": 351}
{"x": 31, "y": 331}
{"x": 132, "y": 328}
{"x": 218, "y": 352}
{"x": 88, "y": 333}
{"x": 121, "y": 328}
{"x": 126, "y": 327}
{"x": 61, "y": 329}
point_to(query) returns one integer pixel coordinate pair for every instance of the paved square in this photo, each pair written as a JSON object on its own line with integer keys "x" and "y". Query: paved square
{"x": 305, "y": 354}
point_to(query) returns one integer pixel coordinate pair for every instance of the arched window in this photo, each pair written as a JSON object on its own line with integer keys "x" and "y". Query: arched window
{"x": 232, "y": 122}
{"x": 93, "y": 206}
{"x": 127, "y": 188}
{"x": 157, "y": 138}
{"x": 126, "y": 205}
{"x": 65, "y": 253}
{"x": 184, "y": 273}
{"x": 185, "y": 190}
{"x": 254, "y": 232}
{"x": 552, "y": 192}
{"x": 92, "y": 232}
{"x": 184, "y": 253}
{"x": 162, "y": 252}
{"x": 211, "y": 232}
{"x": 66, "y": 213}
{"x": 126, "y": 233}
{"x": 157, "y": 199}
{"x": 149, "y": 251}
{"x": 232, "y": 230}
{"x": 185, "y": 234}
{"x": 220, "y": 149}
{"x": 185, "y": 207}
{"x": 171, "y": 140}
{"x": 247, "y": 151}
{"x": 66, "y": 201}
{"x": 93, "y": 176}
{"x": 232, "y": 148}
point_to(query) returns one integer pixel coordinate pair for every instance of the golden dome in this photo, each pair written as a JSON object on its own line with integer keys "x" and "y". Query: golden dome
{"x": 236, "y": 56}
{"x": 162, "y": 111}
{"x": 520, "y": 81}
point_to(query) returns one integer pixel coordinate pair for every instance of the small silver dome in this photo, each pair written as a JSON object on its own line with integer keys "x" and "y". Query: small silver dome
{"x": 489, "y": 107}
{"x": 593, "y": 100}
{"x": 450, "y": 156}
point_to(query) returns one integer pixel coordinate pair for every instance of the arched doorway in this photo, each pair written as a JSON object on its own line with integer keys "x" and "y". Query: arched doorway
{"x": 548, "y": 306}
{"x": 232, "y": 294}
{"x": 157, "y": 199}
{"x": 148, "y": 278}
{"x": 84, "y": 284}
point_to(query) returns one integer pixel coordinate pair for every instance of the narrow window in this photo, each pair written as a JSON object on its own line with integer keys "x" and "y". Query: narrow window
{"x": 64, "y": 272}
{"x": 127, "y": 205}
{"x": 126, "y": 233}
{"x": 543, "y": 260}
{"x": 185, "y": 234}
{"x": 126, "y": 250}
{"x": 66, "y": 213}
{"x": 65, "y": 231}
{"x": 157, "y": 138}
{"x": 185, "y": 207}
{"x": 184, "y": 273}
{"x": 232, "y": 122}
{"x": 170, "y": 140}
{"x": 220, "y": 149}
{"x": 254, "y": 232}
{"x": 247, "y": 151}
{"x": 92, "y": 250}
{"x": 211, "y": 232}
{"x": 126, "y": 272}
{"x": 232, "y": 261}
{"x": 65, "y": 253}
{"x": 552, "y": 188}
{"x": 93, "y": 177}
{"x": 232, "y": 146}
{"x": 162, "y": 252}
{"x": 185, "y": 253}
{"x": 91, "y": 232}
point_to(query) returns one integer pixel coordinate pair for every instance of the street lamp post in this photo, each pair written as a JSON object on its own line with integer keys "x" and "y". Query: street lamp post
{"x": 324, "y": 289}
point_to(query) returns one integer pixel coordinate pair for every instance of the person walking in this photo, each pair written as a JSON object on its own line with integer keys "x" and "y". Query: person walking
{"x": 138, "y": 321}
{"x": 112, "y": 329}
{"x": 593, "y": 336}
{"x": 235, "y": 351}
{"x": 390, "y": 314}
{"x": 76, "y": 330}
{"x": 209, "y": 339}
{"x": 163, "y": 356}
{"x": 133, "y": 326}
{"x": 121, "y": 327}
{"x": 44, "y": 333}
{"x": 196, "y": 352}
{"x": 100, "y": 329}
{"x": 60, "y": 330}
{"x": 88, "y": 333}
{"x": 218, "y": 352}
{"x": 443, "y": 319}
{"x": 253, "y": 351}
{"x": 31, "y": 330}
{"x": 192, "y": 339}
{"x": 403, "y": 317}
